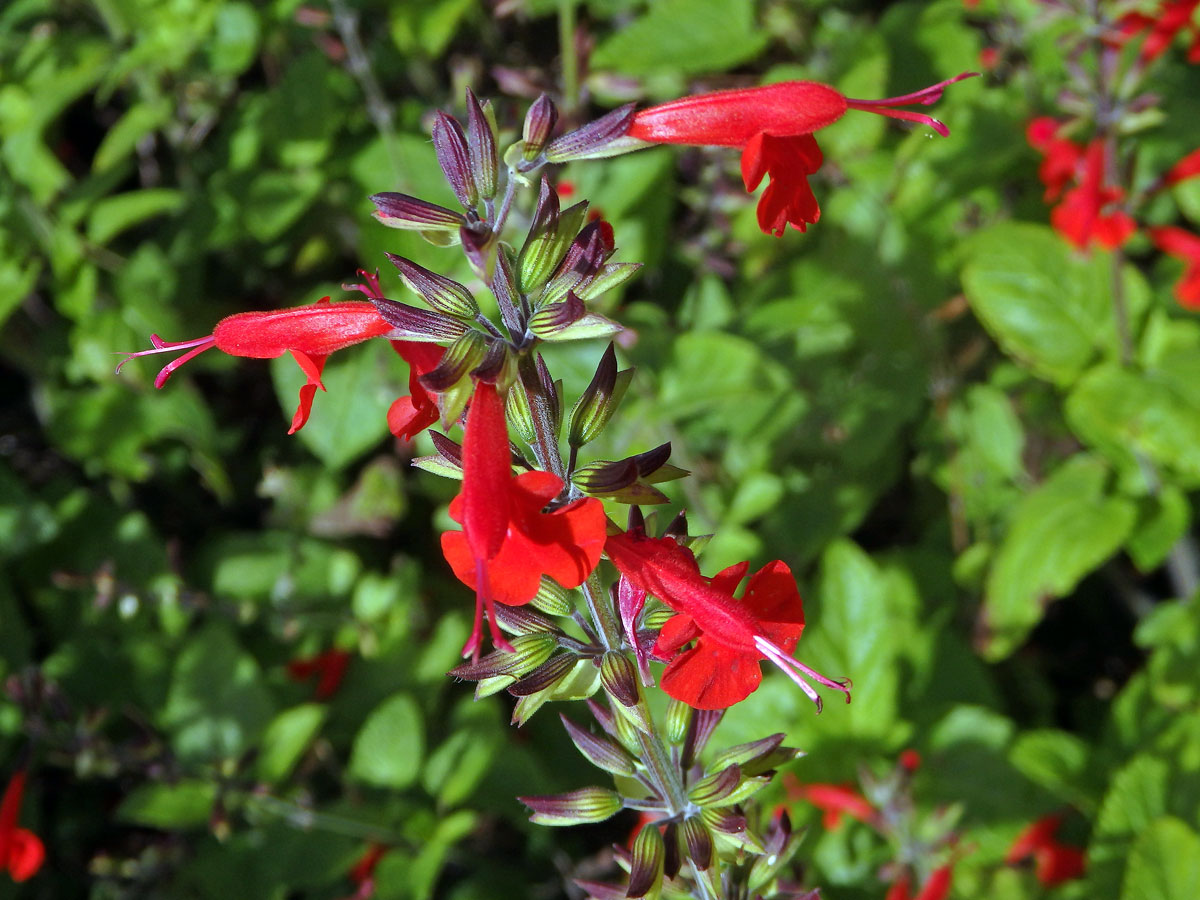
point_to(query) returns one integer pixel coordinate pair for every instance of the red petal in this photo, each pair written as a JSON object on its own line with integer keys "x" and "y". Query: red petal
{"x": 312, "y": 368}
{"x": 487, "y": 473}
{"x": 26, "y": 855}
{"x": 1058, "y": 863}
{"x": 710, "y": 676}
{"x": 406, "y": 420}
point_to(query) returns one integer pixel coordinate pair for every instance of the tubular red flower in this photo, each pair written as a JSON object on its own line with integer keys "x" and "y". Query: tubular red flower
{"x": 309, "y": 333}
{"x": 731, "y": 636}
{"x": 774, "y": 125}
{"x": 1161, "y": 29}
{"x": 1086, "y": 213}
{"x": 1054, "y": 862}
{"x": 1185, "y": 246}
{"x": 1188, "y": 167}
{"x": 1062, "y": 157}
{"x": 409, "y": 416}
{"x": 834, "y": 801}
{"x": 21, "y": 851}
{"x": 508, "y": 543}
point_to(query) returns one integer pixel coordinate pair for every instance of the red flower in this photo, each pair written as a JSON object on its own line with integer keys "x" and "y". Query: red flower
{"x": 21, "y": 851}
{"x": 1188, "y": 167}
{"x": 329, "y": 666}
{"x": 1054, "y": 862}
{"x": 937, "y": 887}
{"x": 1082, "y": 217}
{"x": 1062, "y": 157}
{"x": 1185, "y": 246}
{"x": 508, "y": 543}
{"x": 409, "y": 416}
{"x": 730, "y": 635}
{"x": 309, "y": 333}
{"x": 362, "y": 873}
{"x": 773, "y": 125}
{"x": 1173, "y": 16}
{"x": 834, "y": 800}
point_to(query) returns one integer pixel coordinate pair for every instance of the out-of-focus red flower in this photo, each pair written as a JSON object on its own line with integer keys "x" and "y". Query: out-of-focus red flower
{"x": 21, "y": 851}
{"x": 329, "y": 666}
{"x": 1060, "y": 165}
{"x": 834, "y": 801}
{"x": 409, "y": 416}
{"x": 910, "y": 760}
{"x": 1087, "y": 212}
{"x": 1188, "y": 167}
{"x": 309, "y": 333}
{"x": 362, "y": 873}
{"x": 773, "y": 125}
{"x": 1054, "y": 862}
{"x": 936, "y": 887}
{"x": 1185, "y": 246}
{"x": 508, "y": 543}
{"x": 730, "y": 635}
{"x": 1161, "y": 28}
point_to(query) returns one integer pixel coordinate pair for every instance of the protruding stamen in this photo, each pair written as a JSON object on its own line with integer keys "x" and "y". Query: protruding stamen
{"x": 797, "y": 671}
{"x": 924, "y": 97}
{"x": 194, "y": 348}
{"x": 371, "y": 288}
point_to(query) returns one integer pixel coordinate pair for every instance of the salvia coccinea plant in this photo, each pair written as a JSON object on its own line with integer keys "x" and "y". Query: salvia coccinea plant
{"x": 538, "y": 516}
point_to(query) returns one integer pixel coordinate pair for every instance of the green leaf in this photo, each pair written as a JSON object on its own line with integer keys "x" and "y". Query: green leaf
{"x": 234, "y": 44}
{"x": 286, "y": 740}
{"x": 187, "y": 804}
{"x": 1058, "y": 534}
{"x": 1124, "y": 413}
{"x": 1162, "y": 520}
{"x": 1136, "y": 796}
{"x": 388, "y": 749}
{"x": 683, "y": 37}
{"x": 121, "y": 140}
{"x": 1058, "y": 762}
{"x": 217, "y": 703}
{"x": 112, "y": 215}
{"x": 1164, "y": 863}
{"x": 276, "y": 200}
{"x": 854, "y": 637}
{"x": 1046, "y": 305}
{"x": 351, "y": 417}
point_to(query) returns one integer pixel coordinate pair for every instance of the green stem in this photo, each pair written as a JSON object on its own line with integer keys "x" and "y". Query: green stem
{"x": 603, "y": 615}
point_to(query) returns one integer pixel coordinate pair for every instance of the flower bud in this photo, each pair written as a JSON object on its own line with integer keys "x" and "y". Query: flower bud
{"x": 411, "y": 214}
{"x": 552, "y": 598}
{"x": 610, "y": 276}
{"x": 545, "y": 676}
{"x": 539, "y": 123}
{"x": 441, "y": 293}
{"x": 479, "y": 245}
{"x": 450, "y": 145}
{"x": 731, "y": 824}
{"x": 600, "y": 752}
{"x": 460, "y": 358}
{"x": 520, "y": 414}
{"x": 578, "y": 807}
{"x": 646, "y": 864}
{"x": 712, "y": 790}
{"x": 619, "y": 678}
{"x": 529, "y": 652}
{"x": 481, "y": 145}
{"x": 599, "y": 400}
{"x": 679, "y": 716}
{"x": 410, "y": 323}
{"x": 605, "y": 136}
{"x": 697, "y": 842}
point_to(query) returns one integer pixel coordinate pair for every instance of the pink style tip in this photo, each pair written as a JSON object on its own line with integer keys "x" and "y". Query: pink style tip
{"x": 194, "y": 348}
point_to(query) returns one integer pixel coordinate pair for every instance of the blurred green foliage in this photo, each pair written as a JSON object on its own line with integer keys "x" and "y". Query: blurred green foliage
{"x": 924, "y": 405}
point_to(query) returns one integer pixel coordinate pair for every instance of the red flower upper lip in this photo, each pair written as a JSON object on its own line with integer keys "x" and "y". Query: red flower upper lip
{"x": 1055, "y": 862}
{"x": 508, "y": 543}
